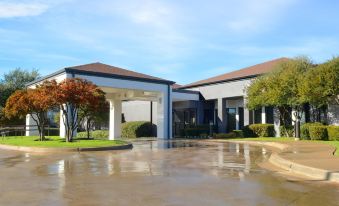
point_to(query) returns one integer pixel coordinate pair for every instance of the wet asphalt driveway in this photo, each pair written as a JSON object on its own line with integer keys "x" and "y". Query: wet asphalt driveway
{"x": 177, "y": 172}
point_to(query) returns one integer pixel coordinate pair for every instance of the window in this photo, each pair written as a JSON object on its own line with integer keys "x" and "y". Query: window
{"x": 208, "y": 116}
{"x": 241, "y": 117}
{"x": 231, "y": 120}
{"x": 269, "y": 115}
{"x": 257, "y": 116}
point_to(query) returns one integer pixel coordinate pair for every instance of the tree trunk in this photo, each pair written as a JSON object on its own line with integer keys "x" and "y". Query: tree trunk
{"x": 69, "y": 115}
{"x": 297, "y": 128}
{"x": 88, "y": 124}
{"x": 297, "y": 115}
{"x": 42, "y": 133}
{"x": 40, "y": 123}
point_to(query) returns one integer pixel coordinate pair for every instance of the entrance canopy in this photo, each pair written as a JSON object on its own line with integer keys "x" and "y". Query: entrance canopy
{"x": 120, "y": 85}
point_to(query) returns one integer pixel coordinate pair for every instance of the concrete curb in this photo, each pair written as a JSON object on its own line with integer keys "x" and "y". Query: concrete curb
{"x": 54, "y": 150}
{"x": 312, "y": 172}
{"x": 289, "y": 165}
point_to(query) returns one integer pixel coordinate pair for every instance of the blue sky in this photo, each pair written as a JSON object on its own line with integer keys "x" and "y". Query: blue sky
{"x": 183, "y": 41}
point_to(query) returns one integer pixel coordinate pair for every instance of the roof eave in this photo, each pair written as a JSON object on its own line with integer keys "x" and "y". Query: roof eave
{"x": 45, "y": 77}
{"x": 98, "y": 74}
{"x": 219, "y": 82}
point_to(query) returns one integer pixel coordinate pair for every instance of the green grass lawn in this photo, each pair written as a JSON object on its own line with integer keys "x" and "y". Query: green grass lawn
{"x": 289, "y": 139}
{"x": 55, "y": 141}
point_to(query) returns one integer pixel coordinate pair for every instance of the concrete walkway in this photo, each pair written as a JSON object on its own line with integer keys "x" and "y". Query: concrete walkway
{"x": 314, "y": 160}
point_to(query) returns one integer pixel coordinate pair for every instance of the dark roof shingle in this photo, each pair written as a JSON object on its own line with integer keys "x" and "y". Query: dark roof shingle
{"x": 239, "y": 74}
{"x": 104, "y": 69}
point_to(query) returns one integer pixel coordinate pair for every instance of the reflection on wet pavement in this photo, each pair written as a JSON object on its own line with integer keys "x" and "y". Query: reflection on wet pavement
{"x": 177, "y": 172}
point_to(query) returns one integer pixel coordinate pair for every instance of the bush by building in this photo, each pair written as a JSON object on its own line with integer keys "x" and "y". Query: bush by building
{"x": 239, "y": 133}
{"x": 318, "y": 132}
{"x": 137, "y": 129}
{"x": 333, "y": 133}
{"x": 304, "y": 130}
{"x": 198, "y": 130}
{"x": 262, "y": 130}
{"x": 229, "y": 135}
{"x": 97, "y": 134}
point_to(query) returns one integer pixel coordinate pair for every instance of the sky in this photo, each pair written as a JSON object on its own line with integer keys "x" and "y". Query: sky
{"x": 180, "y": 40}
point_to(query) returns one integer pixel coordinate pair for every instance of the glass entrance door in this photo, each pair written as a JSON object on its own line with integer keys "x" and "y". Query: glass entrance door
{"x": 231, "y": 119}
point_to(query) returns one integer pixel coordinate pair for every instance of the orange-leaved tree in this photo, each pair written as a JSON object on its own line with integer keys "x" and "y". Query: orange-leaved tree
{"x": 74, "y": 94}
{"x": 35, "y": 102}
{"x": 92, "y": 109}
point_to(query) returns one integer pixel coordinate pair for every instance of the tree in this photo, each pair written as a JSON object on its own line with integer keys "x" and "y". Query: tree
{"x": 262, "y": 92}
{"x": 75, "y": 94}
{"x": 35, "y": 102}
{"x": 291, "y": 78}
{"x": 321, "y": 85}
{"x": 93, "y": 110}
{"x": 281, "y": 88}
{"x": 257, "y": 93}
{"x": 12, "y": 81}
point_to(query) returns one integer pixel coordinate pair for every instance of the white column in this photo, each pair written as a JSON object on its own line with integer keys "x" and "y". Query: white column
{"x": 31, "y": 128}
{"x": 221, "y": 115}
{"x": 164, "y": 115}
{"x": 62, "y": 128}
{"x": 114, "y": 119}
{"x": 276, "y": 120}
{"x": 263, "y": 115}
{"x": 294, "y": 118}
{"x": 161, "y": 117}
{"x": 246, "y": 114}
{"x": 237, "y": 118}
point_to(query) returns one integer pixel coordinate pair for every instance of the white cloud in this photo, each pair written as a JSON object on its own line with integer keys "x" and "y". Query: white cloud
{"x": 157, "y": 25}
{"x": 256, "y": 15}
{"x": 321, "y": 48}
{"x": 9, "y": 10}
{"x": 146, "y": 12}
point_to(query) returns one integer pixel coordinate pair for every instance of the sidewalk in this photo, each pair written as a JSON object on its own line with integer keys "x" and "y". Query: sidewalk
{"x": 310, "y": 159}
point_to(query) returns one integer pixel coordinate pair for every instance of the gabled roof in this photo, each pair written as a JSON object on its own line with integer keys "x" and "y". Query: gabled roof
{"x": 105, "y": 70}
{"x": 176, "y": 86}
{"x": 247, "y": 72}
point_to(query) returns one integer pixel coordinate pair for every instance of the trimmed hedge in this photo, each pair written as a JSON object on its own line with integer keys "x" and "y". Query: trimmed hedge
{"x": 333, "y": 133}
{"x": 229, "y": 135}
{"x": 97, "y": 134}
{"x": 262, "y": 130}
{"x": 304, "y": 129}
{"x": 137, "y": 129}
{"x": 194, "y": 132}
{"x": 247, "y": 132}
{"x": 239, "y": 133}
{"x": 197, "y": 131}
{"x": 318, "y": 132}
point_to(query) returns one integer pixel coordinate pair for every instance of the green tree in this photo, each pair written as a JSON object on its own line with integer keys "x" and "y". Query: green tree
{"x": 281, "y": 88}
{"x": 12, "y": 81}
{"x": 321, "y": 85}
